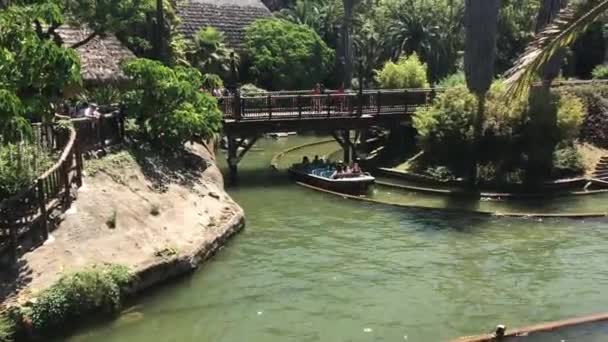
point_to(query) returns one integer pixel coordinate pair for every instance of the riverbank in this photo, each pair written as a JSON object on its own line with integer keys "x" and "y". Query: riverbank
{"x": 158, "y": 217}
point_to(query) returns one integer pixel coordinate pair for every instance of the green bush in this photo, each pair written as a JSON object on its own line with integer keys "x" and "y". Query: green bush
{"x": 441, "y": 173}
{"x": 7, "y": 328}
{"x": 250, "y": 89}
{"x": 570, "y": 116}
{"x": 168, "y": 105}
{"x": 453, "y": 80}
{"x": 212, "y": 81}
{"x": 445, "y": 129}
{"x": 408, "y": 72}
{"x": 567, "y": 161}
{"x": 600, "y": 72}
{"x": 20, "y": 165}
{"x": 284, "y": 55}
{"x": 98, "y": 289}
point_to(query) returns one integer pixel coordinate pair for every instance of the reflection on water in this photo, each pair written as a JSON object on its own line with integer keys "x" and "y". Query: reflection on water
{"x": 313, "y": 267}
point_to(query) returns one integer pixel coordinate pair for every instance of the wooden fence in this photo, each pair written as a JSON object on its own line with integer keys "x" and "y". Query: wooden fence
{"x": 26, "y": 214}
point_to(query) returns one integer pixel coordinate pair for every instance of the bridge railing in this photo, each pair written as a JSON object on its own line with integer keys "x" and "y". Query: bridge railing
{"x": 275, "y": 106}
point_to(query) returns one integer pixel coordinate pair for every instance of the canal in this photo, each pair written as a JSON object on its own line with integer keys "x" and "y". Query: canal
{"x": 315, "y": 267}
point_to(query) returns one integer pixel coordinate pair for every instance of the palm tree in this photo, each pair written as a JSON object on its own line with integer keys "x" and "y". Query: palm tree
{"x": 209, "y": 52}
{"x": 569, "y": 24}
{"x": 481, "y": 25}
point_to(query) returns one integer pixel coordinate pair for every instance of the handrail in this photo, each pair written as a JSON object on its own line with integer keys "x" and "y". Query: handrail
{"x": 29, "y": 206}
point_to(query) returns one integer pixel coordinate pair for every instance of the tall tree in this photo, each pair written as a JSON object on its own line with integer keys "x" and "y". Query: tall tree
{"x": 346, "y": 46}
{"x": 481, "y": 23}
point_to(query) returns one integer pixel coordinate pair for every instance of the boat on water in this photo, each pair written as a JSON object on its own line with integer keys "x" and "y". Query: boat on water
{"x": 324, "y": 177}
{"x": 277, "y": 135}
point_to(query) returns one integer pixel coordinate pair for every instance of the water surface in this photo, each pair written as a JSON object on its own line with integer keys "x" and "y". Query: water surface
{"x": 315, "y": 267}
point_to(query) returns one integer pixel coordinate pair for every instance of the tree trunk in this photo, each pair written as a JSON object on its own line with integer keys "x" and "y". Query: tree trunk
{"x": 481, "y": 26}
{"x": 159, "y": 44}
{"x": 543, "y": 112}
{"x": 346, "y": 58}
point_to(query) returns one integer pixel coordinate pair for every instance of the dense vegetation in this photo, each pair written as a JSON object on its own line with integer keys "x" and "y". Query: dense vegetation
{"x": 284, "y": 55}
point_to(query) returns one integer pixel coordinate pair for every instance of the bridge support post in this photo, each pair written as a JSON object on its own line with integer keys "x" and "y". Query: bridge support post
{"x": 348, "y": 146}
{"x": 237, "y": 148}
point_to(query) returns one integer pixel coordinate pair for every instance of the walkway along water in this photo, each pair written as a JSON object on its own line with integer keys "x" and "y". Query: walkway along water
{"x": 312, "y": 267}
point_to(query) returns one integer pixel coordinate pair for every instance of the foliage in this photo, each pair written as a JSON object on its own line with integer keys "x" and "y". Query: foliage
{"x": 562, "y": 32}
{"x": 168, "y": 104}
{"x": 570, "y": 116}
{"x": 441, "y": 173}
{"x": 431, "y": 29}
{"x": 209, "y": 52}
{"x": 323, "y": 16}
{"x": 13, "y": 126}
{"x": 34, "y": 68}
{"x": 408, "y": 72}
{"x": 212, "y": 81}
{"x": 106, "y": 95}
{"x": 285, "y": 55}
{"x": 99, "y": 289}
{"x": 516, "y": 24}
{"x": 567, "y": 161}
{"x": 453, "y": 80}
{"x": 445, "y": 129}
{"x": 7, "y": 328}
{"x": 600, "y": 72}
{"x": 250, "y": 89}
{"x": 20, "y": 165}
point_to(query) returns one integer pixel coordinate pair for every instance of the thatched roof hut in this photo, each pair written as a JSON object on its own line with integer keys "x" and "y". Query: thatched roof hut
{"x": 100, "y": 58}
{"x": 228, "y": 16}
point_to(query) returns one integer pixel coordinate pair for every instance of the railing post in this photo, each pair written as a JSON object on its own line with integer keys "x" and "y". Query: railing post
{"x": 237, "y": 105}
{"x": 378, "y": 102}
{"x": 102, "y": 140}
{"x": 78, "y": 156}
{"x": 42, "y": 204}
{"x": 299, "y": 99}
{"x": 360, "y": 102}
{"x": 328, "y": 105}
{"x": 269, "y": 100}
{"x": 405, "y": 101}
{"x": 66, "y": 180}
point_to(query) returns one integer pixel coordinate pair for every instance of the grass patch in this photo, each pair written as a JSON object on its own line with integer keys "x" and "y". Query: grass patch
{"x": 111, "y": 164}
{"x": 99, "y": 289}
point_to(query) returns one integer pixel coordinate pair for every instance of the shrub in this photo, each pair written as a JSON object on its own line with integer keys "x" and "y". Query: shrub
{"x": 284, "y": 55}
{"x": 7, "y": 328}
{"x": 453, "y": 80}
{"x": 445, "y": 128}
{"x": 250, "y": 89}
{"x": 441, "y": 173}
{"x": 600, "y": 72}
{"x": 567, "y": 161}
{"x": 20, "y": 165}
{"x": 99, "y": 289}
{"x": 408, "y": 72}
{"x": 169, "y": 107}
{"x": 212, "y": 81}
{"x": 570, "y": 116}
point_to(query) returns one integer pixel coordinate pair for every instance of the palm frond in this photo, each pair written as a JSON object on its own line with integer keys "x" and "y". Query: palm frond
{"x": 562, "y": 32}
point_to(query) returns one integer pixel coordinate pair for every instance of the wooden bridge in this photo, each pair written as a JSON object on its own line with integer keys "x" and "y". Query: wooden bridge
{"x": 246, "y": 118}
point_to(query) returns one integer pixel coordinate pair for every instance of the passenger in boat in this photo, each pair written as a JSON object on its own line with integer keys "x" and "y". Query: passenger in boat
{"x": 317, "y": 161}
{"x": 356, "y": 169}
{"x": 305, "y": 160}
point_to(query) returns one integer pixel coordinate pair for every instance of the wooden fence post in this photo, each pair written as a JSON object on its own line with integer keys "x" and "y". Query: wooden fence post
{"x": 237, "y": 104}
{"x": 79, "y": 163}
{"x": 42, "y": 203}
{"x": 299, "y": 99}
{"x": 269, "y": 104}
{"x": 66, "y": 180}
{"x": 378, "y": 102}
{"x": 328, "y": 105}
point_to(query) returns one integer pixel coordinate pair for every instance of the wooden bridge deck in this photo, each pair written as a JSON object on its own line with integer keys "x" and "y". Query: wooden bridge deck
{"x": 293, "y": 112}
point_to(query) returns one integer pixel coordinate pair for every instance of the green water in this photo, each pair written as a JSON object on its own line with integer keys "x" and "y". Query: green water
{"x": 315, "y": 267}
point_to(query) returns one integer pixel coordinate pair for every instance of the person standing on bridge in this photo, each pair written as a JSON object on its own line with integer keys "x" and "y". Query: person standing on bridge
{"x": 316, "y": 100}
{"x": 341, "y": 97}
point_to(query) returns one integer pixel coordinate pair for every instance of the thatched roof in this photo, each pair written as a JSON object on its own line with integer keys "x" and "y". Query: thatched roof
{"x": 229, "y": 16}
{"x": 100, "y": 58}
